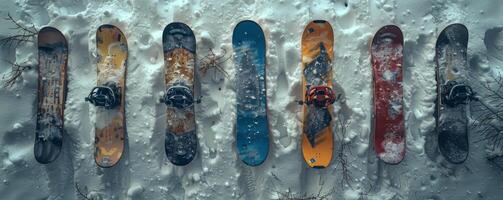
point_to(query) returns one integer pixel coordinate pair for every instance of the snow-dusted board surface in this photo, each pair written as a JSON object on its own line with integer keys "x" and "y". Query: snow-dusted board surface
{"x": 252, "y": 127}
{"x": 216, "y": 172}
{"x": 388, "y": 121}
{"x": 110, "y": 123}
{"x": 317, "y": 139}
{"x": 451, "y": 104}
{"x": 179, "y": 47}
{"x": 52, "y": 59}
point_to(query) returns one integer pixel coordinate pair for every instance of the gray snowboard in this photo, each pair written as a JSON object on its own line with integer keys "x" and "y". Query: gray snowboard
{"x": 451, "y": 74}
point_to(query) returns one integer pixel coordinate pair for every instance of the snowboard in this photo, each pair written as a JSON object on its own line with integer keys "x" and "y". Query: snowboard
{"x": 252, "y": 128}
{"x": 317, "y": 57}
{"x": 51, "y": 95}
{"x": 452, "y": 93}
{"x": 109, "y": 95}
{"x": 388, "y": 117}
{"x": 179, "y": 46}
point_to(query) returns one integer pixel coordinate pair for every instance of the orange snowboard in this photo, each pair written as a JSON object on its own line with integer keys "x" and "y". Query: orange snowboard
{"x": 110, "y": 125}
{"x": 317, "y": 56}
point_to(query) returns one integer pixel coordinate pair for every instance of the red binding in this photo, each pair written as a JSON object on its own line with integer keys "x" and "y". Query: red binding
{"x": 320, "y": 96}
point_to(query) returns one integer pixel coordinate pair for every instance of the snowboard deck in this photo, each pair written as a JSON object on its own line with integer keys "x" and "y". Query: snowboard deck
{"x": 388, "y": 121}
{"x": 317, "y": 57}
{"x": 51, "y": 95}
{"x": 110, "y": 125}
{"x": 179, "y": 46}
{"x": 252, "y": 128}
{"x": 451, "y": 122}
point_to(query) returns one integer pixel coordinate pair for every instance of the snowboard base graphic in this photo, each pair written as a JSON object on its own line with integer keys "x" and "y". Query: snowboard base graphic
{"x": 52, "y": 59}
{"x": 110, "y": 124}
{"x": 317, "y": 56}
{"x": 388, "y": 120}
{"x": 179, "y": 46}
{"x": 453, "y": 93}
{"x": 252, "y": 130}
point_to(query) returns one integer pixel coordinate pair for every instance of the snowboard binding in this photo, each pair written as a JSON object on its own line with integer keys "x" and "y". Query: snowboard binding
{"x": 321, "y": 96}
{"x": 178, "y": 96}
{"x": 454, "y": 93}
{"x": 107, "y": 96}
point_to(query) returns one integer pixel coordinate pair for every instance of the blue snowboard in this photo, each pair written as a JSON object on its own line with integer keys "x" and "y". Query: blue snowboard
{"x": 252, "y": 129}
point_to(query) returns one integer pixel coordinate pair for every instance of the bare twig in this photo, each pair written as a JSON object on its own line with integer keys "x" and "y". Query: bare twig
{"x": 24, "y": 34}
{"x": 289, "y": 195}
{"x": 497, "y": 160}
{"x": 342, "y": 156}
{"x": 10, "y": 78}
{"x": 82, "y": 193}
{"x": 490, "y": 112}
{"x": 364, "y": 194}
{"x": 211, "y": 60}
{"x": 276, "y": 177}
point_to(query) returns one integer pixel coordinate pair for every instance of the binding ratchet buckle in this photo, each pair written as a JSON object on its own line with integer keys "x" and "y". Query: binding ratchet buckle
{"x": 107, "y": 95}
{"x": 321, "y": 96}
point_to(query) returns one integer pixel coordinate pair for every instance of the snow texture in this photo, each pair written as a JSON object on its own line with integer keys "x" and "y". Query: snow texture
{"x": 108, "y": 72}
{"x": 392, "y": 149}
{"x": 216, "y": 172}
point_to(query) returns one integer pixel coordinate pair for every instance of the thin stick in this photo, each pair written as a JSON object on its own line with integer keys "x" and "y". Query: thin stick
{"x": 80, "y": 192}
{"x": 10, "y": 78}
{"x": 24, "y": 34}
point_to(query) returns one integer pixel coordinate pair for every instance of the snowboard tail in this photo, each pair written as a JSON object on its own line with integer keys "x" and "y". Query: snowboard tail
{"x": 252, "y": 128}
{"x": 388, "y": 121}
{"x": 317, "y": 57}
{"x": 179, "y": 46}
{"x": 51, "y": 95}
{"x": 451, "y": 69}
{"x": 110, "y": 125}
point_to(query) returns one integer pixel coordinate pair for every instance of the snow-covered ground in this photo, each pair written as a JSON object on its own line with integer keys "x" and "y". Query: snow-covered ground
{"x": 145, "y": 173}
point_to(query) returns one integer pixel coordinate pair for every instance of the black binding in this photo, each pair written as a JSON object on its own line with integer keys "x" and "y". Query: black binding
{"x": 178, "y": 96}
{"x": 107, "y": 95}
{"x": 454, "y": 93}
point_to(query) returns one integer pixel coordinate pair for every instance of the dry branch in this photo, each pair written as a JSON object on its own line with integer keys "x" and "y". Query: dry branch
{"x": 23, "y": 34}
{"x": 213, "y": 61}
{"x": 343, "y": 151}
{"x": 289, "y": 195}
{"x": 489, "y": 111}
{"x": 82, "y": 194}
{"x": 11, "y": 77}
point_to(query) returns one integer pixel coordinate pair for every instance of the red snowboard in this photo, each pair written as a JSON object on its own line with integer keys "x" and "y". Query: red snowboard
{"x": 388, "y": 122}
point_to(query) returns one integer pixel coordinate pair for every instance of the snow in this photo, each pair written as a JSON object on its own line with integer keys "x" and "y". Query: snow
{"x": 392, "y": 151}
{"x": 216, "y": 173}
{"x": 108, "y": 73}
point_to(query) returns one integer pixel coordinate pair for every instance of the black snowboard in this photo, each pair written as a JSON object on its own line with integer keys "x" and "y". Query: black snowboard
{"x": 179, "y": 45}
{"x": 451, "y": 75}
